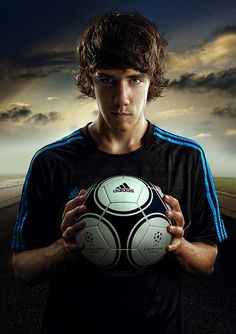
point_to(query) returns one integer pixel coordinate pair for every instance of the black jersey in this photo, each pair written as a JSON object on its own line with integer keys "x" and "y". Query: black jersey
{"x": 82, "y": 299}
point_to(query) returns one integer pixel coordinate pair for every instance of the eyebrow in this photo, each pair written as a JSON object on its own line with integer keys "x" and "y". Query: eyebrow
{"x": 131, "y": 76}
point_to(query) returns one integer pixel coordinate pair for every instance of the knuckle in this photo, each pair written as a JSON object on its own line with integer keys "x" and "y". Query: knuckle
{"x": 81, "y": 209}
{"x": 67, "y": 216}
{"x": 175, "y": 201}
{"x": 68, "y": 205}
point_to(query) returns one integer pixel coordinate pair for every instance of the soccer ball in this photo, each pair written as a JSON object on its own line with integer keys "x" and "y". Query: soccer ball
{"x": 125, "y": 225}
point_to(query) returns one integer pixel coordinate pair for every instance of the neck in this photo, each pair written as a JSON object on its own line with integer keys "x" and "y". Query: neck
{"x": 118, "y": 142}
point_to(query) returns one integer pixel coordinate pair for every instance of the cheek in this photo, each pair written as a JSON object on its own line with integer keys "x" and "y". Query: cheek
{"x": 100, "y": 96}
{"x": 141, "y": 96}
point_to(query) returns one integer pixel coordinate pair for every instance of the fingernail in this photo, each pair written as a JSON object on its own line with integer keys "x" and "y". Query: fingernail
{"x": 80, "y": 197}
{"x": 168, "y": 248}
{"x": 82, "y": 223}
{"x": 82, "y": 207}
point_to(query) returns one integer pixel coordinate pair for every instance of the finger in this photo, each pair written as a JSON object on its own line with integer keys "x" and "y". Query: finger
{"x": 74, "y": 247}
{"x": 71, "y": 216}
{"x": 158, "y": 189}
{"x": 175, "y": 244}
{"x": 77, "y": 201}
{"x": 70, "y": 232}
{"x": 176, "y": 231}
{"x": 176, "y": 216}
{"x": 173, "y": 202}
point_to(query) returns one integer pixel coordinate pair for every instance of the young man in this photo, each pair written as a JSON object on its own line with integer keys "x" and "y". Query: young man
{"x": 121, "y": 66}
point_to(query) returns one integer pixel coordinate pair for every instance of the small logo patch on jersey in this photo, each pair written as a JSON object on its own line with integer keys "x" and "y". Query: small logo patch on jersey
{"x": 123, "y": 188}
{"x": 74, "y": 193}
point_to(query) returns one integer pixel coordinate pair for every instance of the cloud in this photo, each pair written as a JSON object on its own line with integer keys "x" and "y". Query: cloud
{"x": 16, "y": 112}
{"x": 54, "y": 116}
{"x": 21, "y": 113}
{"x": 172, "y": 113}
{"x": 203, "y": 135}
{"x": 38, "y": 65}
{"x": 39, "y": 118}
{"x": 43, "y": 119}
{"x": 51, "y": 98}
{"x": 224, "y": 81}
{"x": 46, "y": 59}
{"x": 230, "y": 133}
{"x": 226, "y": 30}
{"x": 219, "y": 51}
{"x": 225, "y": 112}
{"x": 27, "y": 74}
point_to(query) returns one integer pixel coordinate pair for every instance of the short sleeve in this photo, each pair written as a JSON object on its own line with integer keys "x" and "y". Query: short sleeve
{"x": 35, "y": 225}
{"x": 206, "y": 223}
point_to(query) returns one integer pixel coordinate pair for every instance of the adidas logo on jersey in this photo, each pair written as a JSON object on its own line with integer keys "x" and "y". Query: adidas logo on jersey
{"x": 123, "y": 188}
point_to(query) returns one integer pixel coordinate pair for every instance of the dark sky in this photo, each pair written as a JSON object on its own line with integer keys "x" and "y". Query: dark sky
{"x": 24, "y": 24}
{"x": 38, "y": 98}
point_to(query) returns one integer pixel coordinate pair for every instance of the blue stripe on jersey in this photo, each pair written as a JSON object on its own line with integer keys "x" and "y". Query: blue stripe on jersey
{"x": 18, "y": 242}
{"x": 213, "y": 200}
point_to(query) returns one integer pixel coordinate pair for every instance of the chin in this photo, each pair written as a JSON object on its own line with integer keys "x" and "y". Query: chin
{"x": 121, "y": 127}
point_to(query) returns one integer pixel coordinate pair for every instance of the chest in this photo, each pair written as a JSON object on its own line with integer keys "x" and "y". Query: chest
{"x": 173, "y": 176}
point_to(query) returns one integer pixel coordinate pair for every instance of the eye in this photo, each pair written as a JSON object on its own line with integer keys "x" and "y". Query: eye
{"x": 106, "y": 81}
{"x": 135, "y": 81}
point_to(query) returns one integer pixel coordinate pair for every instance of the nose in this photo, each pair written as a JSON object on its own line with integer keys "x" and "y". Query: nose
{"x": 121, "y": 95}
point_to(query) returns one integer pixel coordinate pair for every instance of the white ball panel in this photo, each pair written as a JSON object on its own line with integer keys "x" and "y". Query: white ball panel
{"x": 160, "y": 221}
{"x": 138, "y": 236}
{"x": 122, "y": 208}
{"x": 153, "y": 245}
{"x": 122, "y": 189}
{"x": 109, "y": 233}
{"x": 90, "y": 221}
{"x": 145, "y": 195}
{"x": 95, "y": 245}
{"x": 102, "y": 196}
{"x": 122, "y": 196}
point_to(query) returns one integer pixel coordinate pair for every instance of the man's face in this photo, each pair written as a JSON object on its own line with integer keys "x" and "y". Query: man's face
{"x": 121, "y": 96}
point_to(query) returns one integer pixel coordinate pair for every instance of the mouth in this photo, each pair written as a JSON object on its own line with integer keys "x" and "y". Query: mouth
{"x": 120, "y": 113}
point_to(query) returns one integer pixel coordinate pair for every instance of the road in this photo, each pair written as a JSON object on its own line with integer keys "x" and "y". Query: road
{"x": 10, "y": 195}
{"x": 209, "y": 303}
{"x": 227, "y": 204}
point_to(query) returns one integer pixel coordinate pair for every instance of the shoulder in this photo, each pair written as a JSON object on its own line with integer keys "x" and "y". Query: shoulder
{"x": 60, "y": 147}
{"x": 176, "y": 145}
{"x": 52, "y": 155}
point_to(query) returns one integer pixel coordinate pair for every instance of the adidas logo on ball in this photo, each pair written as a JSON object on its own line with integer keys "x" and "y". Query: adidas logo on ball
{"x": 123, "y": 188}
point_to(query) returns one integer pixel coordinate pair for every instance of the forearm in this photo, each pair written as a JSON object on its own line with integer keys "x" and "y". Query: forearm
{"x": 41, "y": 264}
{"x": 196, "y": 258}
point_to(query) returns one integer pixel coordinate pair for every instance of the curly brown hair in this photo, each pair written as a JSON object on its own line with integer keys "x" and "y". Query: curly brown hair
{"x": 121, "y": 40}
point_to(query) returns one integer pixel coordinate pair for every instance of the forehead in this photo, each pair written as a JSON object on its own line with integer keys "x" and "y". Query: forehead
{"x": 120, "y": 73}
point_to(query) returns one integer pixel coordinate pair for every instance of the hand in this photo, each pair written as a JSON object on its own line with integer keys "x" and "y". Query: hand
{"x": 73, "y": 210}
{"x": 178, "y": 230}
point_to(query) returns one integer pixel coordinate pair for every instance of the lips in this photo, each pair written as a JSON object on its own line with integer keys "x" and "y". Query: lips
{"x": 120, "y": 113}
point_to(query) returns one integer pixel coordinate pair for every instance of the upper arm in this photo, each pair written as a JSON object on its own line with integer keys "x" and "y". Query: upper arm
{"x": 207, "y": 225}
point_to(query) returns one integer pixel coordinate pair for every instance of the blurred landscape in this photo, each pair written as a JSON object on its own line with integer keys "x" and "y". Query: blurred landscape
{"x": 11, "y": 180}
{"x": 225, "y": 184}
